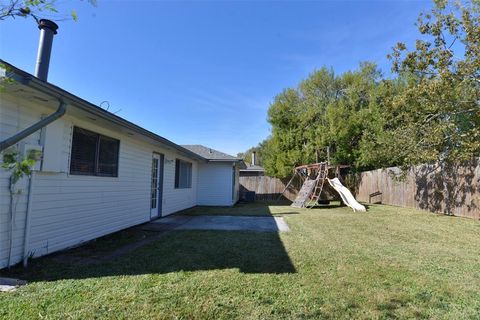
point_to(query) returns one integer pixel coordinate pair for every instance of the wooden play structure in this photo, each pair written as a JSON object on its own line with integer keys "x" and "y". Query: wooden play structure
{"x": 313, "y": 177}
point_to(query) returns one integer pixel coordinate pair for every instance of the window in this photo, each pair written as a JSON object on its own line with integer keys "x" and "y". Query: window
{"x": 93, "y": 154}
{"x": 183, "y": 174}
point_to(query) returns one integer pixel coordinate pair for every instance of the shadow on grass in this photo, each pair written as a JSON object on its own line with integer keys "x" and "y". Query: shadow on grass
{"x": 174, "y": 251}
{"x": 258, "y": 208}
{"x": 178, "y": 251}
{"x": 328, "y": 206}
{"x": 336, "y": 204}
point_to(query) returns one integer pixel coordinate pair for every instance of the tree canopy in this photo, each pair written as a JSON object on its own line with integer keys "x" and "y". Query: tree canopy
{"x": 428, "y": 111}
{"x": 259, "y": 150}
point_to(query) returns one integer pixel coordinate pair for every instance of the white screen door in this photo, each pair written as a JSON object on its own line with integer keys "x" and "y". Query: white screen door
{"x": 157, "y": 186}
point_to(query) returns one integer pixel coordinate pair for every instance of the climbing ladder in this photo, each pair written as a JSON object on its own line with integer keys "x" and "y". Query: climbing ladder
{"x": 322, "y": 174}
{"x": 311, "y": 189}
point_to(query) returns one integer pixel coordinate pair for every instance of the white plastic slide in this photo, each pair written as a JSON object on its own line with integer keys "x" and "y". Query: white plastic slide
{"x": 346, "y": 195}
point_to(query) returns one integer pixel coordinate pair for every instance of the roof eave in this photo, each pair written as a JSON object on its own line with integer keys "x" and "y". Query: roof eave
{"x": 224, "y": 160}
{"x": 52, "y": 90}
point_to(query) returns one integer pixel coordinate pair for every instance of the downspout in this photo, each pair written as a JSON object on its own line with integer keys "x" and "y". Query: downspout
{"x": 62, "y": 108}
{"x": 48, "y": 29}
{"x": 26, "y": 235}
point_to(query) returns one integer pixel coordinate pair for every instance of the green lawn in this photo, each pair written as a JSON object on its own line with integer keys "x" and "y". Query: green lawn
{"x": 387, "y": 263}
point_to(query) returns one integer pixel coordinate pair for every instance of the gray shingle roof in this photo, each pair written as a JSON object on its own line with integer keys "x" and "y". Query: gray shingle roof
{"x": 209, "y": 153}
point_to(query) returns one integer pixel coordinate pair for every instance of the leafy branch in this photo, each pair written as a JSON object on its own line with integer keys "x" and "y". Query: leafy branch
{"x": 34, "y": 8}
{"x": 19, "y": 166}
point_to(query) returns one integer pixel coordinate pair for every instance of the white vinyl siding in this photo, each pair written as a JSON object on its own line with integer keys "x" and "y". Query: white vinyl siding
{"x": 70, "y": 209}
{"x": 15, "y": 115}
{"x": 236, "y": 195}
{"x": 215, "y": 184}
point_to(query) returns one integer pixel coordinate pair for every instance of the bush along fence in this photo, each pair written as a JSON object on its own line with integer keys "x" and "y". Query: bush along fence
{"x": 448, "y": 189}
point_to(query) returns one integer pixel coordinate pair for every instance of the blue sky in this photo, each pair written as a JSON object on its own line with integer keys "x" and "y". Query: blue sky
{"x": 206, "y": 72}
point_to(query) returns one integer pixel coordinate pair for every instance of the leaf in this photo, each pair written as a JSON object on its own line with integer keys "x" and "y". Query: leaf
{"x": 74, "y": 15}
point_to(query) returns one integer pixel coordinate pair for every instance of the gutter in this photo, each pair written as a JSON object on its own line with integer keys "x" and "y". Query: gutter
{"x": 48, "y": 29}
{"x": 27, "y": 79}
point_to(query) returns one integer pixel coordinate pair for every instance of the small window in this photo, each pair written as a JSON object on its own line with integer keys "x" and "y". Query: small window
{"x": 93, "y": 154}
{"x": 183, "y": 174}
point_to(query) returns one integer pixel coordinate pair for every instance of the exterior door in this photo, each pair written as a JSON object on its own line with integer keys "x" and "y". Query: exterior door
{"x": 157, "y": 186}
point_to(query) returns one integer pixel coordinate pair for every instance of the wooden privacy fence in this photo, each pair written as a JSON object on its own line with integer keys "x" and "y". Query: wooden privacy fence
{"x": 453, "y": 190}
{"x": 268, "y": 188}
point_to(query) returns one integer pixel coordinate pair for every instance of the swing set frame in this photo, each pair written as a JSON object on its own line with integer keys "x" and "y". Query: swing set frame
{"x": 314, "y": 175}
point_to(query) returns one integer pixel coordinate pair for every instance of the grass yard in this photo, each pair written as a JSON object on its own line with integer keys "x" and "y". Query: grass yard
{"x": 334, "y": 264}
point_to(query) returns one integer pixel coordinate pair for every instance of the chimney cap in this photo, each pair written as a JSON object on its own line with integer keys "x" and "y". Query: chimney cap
{"x": 49, "y": 24}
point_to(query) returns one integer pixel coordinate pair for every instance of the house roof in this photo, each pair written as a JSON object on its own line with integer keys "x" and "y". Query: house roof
{"x": 30, "y": 80}
{"x": 209, "y": 153}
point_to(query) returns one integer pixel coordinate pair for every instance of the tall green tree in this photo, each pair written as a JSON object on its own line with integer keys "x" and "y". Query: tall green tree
{"x": 287, "y": 141}
{"x": 428, "y": 112}
{"x": 353, "y": 112}
{"x": 438, "y": 114}
{"x": 259, "y": 153}
{"x": 325, "y": 111}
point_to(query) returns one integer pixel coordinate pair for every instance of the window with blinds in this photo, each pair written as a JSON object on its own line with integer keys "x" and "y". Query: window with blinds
{"x": 93, "y": 154}
{"x": 183, "y": 174}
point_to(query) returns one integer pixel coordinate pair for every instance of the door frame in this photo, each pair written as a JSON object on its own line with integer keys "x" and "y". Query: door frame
{"x": 157, "y": 210}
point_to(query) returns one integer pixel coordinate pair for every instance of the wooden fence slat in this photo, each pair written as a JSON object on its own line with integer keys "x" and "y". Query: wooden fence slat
{"x": 452, "y": 190}
{"x": 267, "y": 188}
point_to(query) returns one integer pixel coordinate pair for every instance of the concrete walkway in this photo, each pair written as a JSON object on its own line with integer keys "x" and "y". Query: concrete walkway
{"x": 228, "y": 223}
{"x": 9, "y": 284}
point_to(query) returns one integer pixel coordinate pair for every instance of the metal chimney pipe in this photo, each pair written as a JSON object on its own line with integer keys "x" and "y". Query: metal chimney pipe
{"x": 48, "y": 29}
{"x": 253, "y": 158}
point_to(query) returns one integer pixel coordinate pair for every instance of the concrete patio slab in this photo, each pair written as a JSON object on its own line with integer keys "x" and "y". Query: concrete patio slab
{"x": 228, "y": 223}
{"x": 9, "y": 284}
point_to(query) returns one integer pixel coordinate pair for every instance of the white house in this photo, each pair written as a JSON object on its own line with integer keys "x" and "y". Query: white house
{"x": 99, "y": 174}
